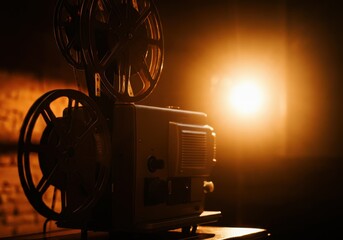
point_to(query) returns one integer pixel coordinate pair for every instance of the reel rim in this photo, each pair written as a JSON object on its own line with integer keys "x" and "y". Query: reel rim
{"x": 26, "y": 185}
{"x": 34, "y": 192}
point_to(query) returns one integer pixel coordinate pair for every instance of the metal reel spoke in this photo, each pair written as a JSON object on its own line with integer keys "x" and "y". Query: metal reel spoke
{"x": 67, "y": 31}
{"x": 142, "y": 18}
{"x": 64, "y": 148}
{"x": 46, "y": 181}
{"x": 122, "y": 42}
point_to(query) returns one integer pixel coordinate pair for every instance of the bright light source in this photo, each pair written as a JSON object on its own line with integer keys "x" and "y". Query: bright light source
{"x": 246, "y": 97}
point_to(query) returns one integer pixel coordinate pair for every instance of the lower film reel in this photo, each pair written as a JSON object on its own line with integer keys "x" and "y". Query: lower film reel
{"x": 122, "y": 43}
{"x": 63, "y": 154}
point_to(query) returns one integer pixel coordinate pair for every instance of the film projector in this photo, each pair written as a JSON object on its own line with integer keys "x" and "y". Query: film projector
{"x": 100, "y": 162}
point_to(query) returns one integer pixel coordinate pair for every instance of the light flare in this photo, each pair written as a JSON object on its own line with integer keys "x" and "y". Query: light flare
{"x": 246, "y": 98}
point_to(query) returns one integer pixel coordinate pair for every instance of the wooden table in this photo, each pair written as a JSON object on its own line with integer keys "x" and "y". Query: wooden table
{"x": 203, "y": 232}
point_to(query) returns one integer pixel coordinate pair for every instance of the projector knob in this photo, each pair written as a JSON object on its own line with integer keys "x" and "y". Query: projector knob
{"x": 155, "y": 164}
{"x": 208, "y": 186}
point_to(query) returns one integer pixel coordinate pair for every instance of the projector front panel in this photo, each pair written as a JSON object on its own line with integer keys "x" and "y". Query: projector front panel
{"x": 160, "y": 193}
{"x": 146, "y": 188}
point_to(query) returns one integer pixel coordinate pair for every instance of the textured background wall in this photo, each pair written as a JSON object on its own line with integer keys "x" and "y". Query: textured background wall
{"x": 18, "y": 92}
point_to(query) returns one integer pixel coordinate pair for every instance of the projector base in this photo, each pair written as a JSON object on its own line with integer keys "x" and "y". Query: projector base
{"x": 187, "y": 224}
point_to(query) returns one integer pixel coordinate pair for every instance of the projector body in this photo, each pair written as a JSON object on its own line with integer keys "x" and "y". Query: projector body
{"x": 162, "y": 159}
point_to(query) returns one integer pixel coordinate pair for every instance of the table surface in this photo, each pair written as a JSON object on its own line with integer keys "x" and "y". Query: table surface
{"x": 203, "y": 232}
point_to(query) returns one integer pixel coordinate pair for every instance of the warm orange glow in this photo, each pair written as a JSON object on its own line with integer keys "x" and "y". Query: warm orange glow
{"x": 19, "y": 92}
{"x": 246, "y": 93}
{"x": 246, "y": 98}
{"x": 250, "y": 106}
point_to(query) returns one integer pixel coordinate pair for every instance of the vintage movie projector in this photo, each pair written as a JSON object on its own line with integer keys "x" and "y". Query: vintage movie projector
{"x": 98, "y": 161}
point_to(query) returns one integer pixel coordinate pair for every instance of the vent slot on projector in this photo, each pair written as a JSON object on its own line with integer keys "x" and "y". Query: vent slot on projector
{"x": 191, "y": 149}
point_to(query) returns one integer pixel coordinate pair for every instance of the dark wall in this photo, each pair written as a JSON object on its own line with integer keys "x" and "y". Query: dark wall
{"x": 27, "y": 40}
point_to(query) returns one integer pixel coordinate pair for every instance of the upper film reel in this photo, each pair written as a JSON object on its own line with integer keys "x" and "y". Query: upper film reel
{"x": 67, "y": 31}
{"x": 123, "y": 46}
